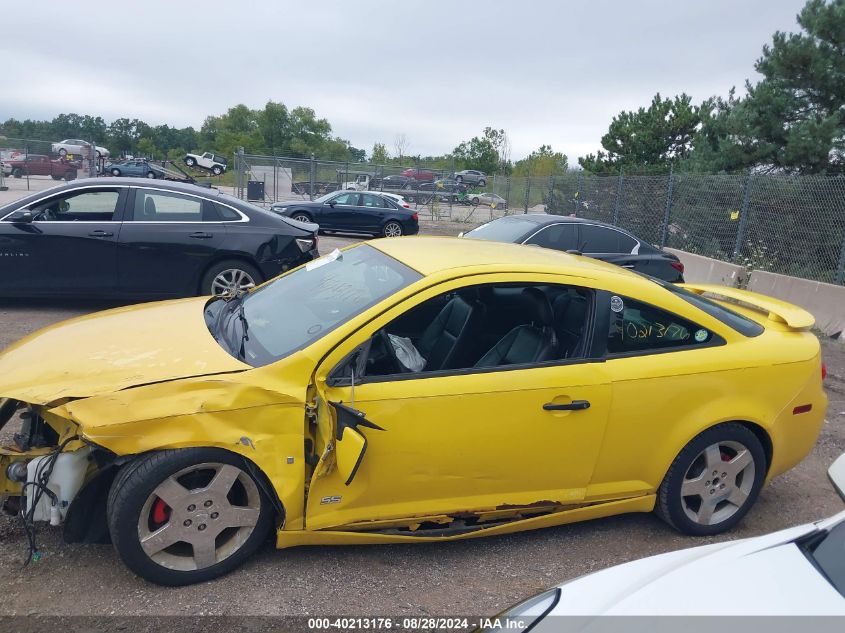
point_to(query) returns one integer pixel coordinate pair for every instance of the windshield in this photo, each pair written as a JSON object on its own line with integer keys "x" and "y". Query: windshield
{"x": 325, "y": 197}
{"x": 301, "y": 307}
{"x": 512, "y": 229}
{"x": 827, "y": 553}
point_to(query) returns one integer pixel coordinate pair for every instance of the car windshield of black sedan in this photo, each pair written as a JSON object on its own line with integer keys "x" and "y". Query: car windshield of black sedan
{"x": 301, "y": 307}
{"x": 510, "y": 229}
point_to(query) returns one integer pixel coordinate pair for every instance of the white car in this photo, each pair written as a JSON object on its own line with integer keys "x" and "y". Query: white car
{"x": 795, "y": 572}
{"x": 489, "y": 199}
{"x": 361, "y": 183}
{"x": 78, "y": 147}
{"x": 214, "y": 163}
{"x": 395, "y": 197}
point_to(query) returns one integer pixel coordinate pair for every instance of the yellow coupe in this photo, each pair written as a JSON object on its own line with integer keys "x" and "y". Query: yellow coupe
{"x": 406, "y": 390}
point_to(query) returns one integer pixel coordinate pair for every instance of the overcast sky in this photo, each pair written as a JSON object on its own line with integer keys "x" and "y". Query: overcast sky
{"x": 552, "y": 72}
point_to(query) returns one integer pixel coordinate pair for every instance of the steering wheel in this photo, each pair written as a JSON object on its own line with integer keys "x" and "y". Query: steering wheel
{"x": 398, "y": 367}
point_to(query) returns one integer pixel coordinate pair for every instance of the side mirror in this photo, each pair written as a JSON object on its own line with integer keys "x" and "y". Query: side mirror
{"x": 331, "y": 203}
{"x": 21, "y": 217}
{"x": 836, "y": 473}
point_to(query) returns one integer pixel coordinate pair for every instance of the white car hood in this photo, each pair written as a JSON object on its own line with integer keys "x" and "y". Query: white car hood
{"x": 766, "y": 575}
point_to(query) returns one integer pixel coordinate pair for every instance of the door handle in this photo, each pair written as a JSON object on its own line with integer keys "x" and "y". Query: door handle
{"x": 200, "y": 235}
{"x": 99, "y": 233}
{"x": 575, "y": 405}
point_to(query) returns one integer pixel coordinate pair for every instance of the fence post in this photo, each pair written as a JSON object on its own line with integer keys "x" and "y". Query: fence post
{"x": 549, "y": 202}
{"x": 239, "y": 160}
{"x": 743, "y": 214}
{"x": 508, "y": 191}
{"x": 618, "y": 204}
{"x": 527, "y": 190}
{"x": 578, "y": 193}
{"x": 840, "y": 271}
{"x": 311, "y": 179}
{"x": 92, "y": 160}
{"x": 664, "y": 228}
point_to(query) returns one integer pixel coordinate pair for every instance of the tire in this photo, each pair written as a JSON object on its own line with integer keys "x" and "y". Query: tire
{"x": 115, "y": 172}
{"x": 99, "y": 156}
{"x": 407, "y": 187}
{"x": 190, "y": 162}
{"x": 55, "y": 177}
{"x": 392, "y": 229}
{"x": 151, "y": 174}
{"x": 216, "y": 170}
{"x": 723, "y": 448}
{"x": 17, "y": 172}
{"x": 475, "y": 200}
{"x": 62, "y": 152}
{"x": 186, "y": 477}
{"x": 71, "y": 175}
{"x": 459, "y": 179}
{"x": 299, "y": 216}
{"x": 482, "y": 182}
{"x": 214, "y": 280}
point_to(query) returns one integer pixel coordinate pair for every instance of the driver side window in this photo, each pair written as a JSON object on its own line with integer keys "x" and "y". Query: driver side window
{"x": 482, "y": 327}
{"x": 85, "y": 206}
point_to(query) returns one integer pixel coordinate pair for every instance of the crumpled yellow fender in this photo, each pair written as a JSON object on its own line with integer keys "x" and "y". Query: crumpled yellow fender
{"x": 237, "y": 412}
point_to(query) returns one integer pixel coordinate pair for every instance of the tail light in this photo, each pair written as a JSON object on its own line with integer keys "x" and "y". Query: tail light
{"x": 679, "y": 266}
{"x": 415, "y": 217}
{"x": 824, "y": 371}
{"x": 406, "y": 205}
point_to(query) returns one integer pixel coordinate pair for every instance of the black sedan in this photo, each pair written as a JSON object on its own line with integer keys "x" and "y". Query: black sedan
{"x": 354, "y": 212}
{"x": 588, "y": 237}
{"x": 136, "y": 237}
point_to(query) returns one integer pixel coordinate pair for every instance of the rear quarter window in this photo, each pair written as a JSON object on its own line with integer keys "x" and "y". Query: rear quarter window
{"x": 740, "y": 323}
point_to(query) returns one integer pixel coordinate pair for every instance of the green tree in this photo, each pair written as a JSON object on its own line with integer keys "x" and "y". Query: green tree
{"x": 542, "y": 162}
{"x": 649, "y": 138}
{"x": 379, "y": 155}
{"x": 482, "y": 153}
{"x": 794, "y": 118}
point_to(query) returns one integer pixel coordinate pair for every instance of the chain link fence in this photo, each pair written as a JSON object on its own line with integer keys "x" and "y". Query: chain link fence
{"x": 793, "y": 225}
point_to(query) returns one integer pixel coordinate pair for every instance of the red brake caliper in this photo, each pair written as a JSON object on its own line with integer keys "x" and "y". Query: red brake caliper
{"x": 161, "y": 512}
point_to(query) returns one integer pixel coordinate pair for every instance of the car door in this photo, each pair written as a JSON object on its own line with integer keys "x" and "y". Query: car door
{"x": 608, "y": 244}
{"x": 562, "y": 236}
{"x": 69, "y": 247}
{"x": 168, "y": 240}
{"x": 341, "y": 212}
{"x": 372, "y": 212}
{"x": 467, "y": 441}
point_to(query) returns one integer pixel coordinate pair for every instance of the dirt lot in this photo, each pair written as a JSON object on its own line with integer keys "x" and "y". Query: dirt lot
{"x": 473, "y": 577}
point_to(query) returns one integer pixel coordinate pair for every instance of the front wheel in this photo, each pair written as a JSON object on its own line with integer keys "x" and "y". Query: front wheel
{"x": 178, "y": 517}
{"x": 392, "y": 229}
{"x": 151, "y": 174}
{"x": 62, "y": 152}
{"x": 115, "y": 172}
{"x": 216, "y": 170}
{"x": 713, "y": 481}
{"x": 190, "y": 162}
{"x": 482, "y": 182}
{"x": 17, "y": 172}
{"x": 301, "y": 217}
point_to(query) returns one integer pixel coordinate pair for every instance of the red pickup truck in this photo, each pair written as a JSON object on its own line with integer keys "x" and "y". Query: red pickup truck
{"x": 420, "y": 175}
{"x": 40, "y": 165}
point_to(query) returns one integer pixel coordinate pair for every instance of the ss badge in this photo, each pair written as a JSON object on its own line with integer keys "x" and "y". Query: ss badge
{"x": 325, "y": 500}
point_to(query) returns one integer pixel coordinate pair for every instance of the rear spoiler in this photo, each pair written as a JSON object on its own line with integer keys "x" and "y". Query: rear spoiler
{"x": 778, "y": 311}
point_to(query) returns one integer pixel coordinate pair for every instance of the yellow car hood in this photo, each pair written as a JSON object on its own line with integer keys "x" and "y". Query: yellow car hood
{"x": 111, "y": 350}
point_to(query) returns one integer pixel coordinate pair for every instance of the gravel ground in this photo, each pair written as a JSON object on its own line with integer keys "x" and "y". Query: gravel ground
{"x": 477, "y": 577}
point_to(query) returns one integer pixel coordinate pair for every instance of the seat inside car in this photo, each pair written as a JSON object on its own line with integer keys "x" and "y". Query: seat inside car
{"x": 447, "y": 342}
{"x": 149, "y": 209}
{"x": 570, "y": 315}
{"x": 532, "y": 342}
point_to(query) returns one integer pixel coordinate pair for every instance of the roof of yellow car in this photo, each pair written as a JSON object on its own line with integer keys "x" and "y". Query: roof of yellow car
{"x": 429, "y": 254}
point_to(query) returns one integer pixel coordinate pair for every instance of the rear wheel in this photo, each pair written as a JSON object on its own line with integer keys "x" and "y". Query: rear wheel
{"x": 392, "y": 229}
{"x": 182, "y": 516}
{"x": 62, "y": 152}
{"x": 229, "y": 277}
{"x": 713, "y": 481}
{"x": 459, "y": 179}
{"x": 216, "y": 170}
{"x": 151, "y": 174}
{"x": 190, "y": 162}
{"x": 482, "y": 182}
{"x": 115, "y": 172}
{"x": 17, "y": 172}
{"x": 71, "y": 175}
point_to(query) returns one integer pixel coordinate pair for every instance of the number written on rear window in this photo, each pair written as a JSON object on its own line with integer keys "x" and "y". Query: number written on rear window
{"x": 639, "y": 327}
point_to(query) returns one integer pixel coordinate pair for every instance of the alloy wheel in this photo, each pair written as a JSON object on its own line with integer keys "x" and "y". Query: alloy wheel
{"x": 199, "y": 516}
{"x": 231, "y": 281}
{"x": 392, "y": 229}
{"x": 301, "y": 218}
{"x": 718, "y": 482}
